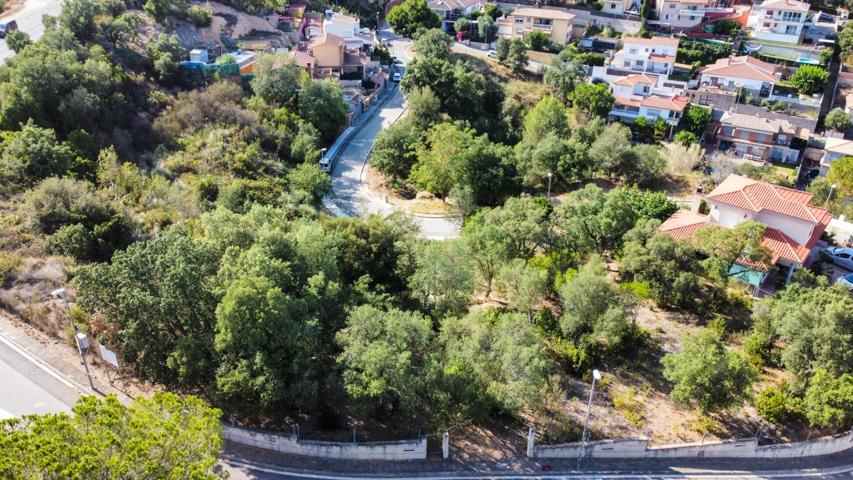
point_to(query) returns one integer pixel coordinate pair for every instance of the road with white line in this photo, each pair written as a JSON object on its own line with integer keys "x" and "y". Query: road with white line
{"x": 29, "y": 21}
{"x": 28, "y": 388}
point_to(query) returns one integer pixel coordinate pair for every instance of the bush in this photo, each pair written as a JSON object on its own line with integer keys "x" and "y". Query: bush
{"x": 200, "y": 16}
{"x": 73, "y": 240}
{"x": 627, "y": 404}
{"x": 704, "y": 53}
{"x": 777, "y": 405}
{"x": 686, "y": 138}
{"x": 838, "y": 120}
{"x": 9, "y": 263}
{"x": 810, "y": 79}
{"x": 62, "y": 201}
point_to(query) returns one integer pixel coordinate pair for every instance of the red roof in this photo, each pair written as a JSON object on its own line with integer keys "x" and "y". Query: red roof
{"x": 755, "y": 196}
{"x": 633, "y": 80}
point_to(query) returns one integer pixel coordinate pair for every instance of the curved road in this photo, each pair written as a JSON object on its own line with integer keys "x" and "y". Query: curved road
{"x": 351, "y": 196}
{"x": 29, "y": 21}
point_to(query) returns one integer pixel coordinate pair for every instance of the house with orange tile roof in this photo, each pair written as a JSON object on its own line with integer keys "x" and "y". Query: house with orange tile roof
{"x": 733, "y": 73}
{"x": 636, "y": 96}
{"x": 793, "y": 226}
{"x": 760, "y": 138}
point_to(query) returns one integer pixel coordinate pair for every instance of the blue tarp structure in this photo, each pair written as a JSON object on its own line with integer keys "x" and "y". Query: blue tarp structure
{"x": 748, "y": 275}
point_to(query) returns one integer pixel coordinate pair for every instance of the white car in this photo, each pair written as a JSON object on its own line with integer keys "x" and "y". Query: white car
{"x": 493, "y": 54}
{"x": 846, "y": 281}
{"x": 841, "y": 256}
{"x": 397, "y": 77}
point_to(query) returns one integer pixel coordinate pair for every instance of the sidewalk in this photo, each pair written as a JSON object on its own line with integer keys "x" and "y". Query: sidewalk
{"x": 686, "y": 466}
{"x": 65, "y": 361}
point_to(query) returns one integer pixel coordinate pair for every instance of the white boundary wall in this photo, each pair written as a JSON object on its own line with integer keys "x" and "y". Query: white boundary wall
{"x": 402, "y": 450}
{"x": 746, "y": 448}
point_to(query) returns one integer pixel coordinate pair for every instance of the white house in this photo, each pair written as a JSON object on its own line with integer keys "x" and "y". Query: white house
{"x": 733, "y": 73}
{"x": 450, "y": 10}
{"x": 779, "y": 20}
{"x": 646, "y": 55}
{"x": 792, "y": 225}
{"x": 620, "y": 7}
{"x": 635, "y": 96}
{"x": 834, "y": 149}
{"x": 681, "y": 14}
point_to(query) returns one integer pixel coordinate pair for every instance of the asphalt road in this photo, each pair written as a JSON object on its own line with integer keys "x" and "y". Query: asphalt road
{"x": 27, "y": 388}
{"x": 351, "y": 194}
{"x": 29, "y": 21}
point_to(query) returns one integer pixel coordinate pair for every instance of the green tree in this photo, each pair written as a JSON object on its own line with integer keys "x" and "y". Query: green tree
{"x": 809, "y": 79}
{"x": 538, "y": 40}
{"x": 17, "y": 40}
{"x": 593, "y": 307}
{"x": 727, "y": 246}
{"x": 829, "y": 400}
{"x": 306, "y": 144}
{"x": 158, "y": 9}
{"x": 592, "y": 221}
{"x": 157, "y": 307}
{"x": 502, "y": 49}
{"x": 433, "y": 43}
{"x": 309, "y": 180}
{"x": 33, "y": 154}
{"x": 444, "y": 277}
{"x": 695, "y": 119}
{"x": 564, "y": 74}
{"x": 166, "y": 52}
{"x": 486, "y": 28}
{"x": 395, "y": 150}
{"x": 423, "y": 109}
{"x": 516, "y": 57}
{"x": 522, "y": 285}
{"x": 840, "y": 174}
{"x": 837, "y": 119}
{"x": 707, "y": 373}
{"x": 387, "y": 360}
{"x": 79, "y": 16}
{"x": 612, "y": 151}
{"x": 462, "y": 24}
{"x": 322, "y": 104}
{"x": 592, "y": 100}
{"x": 686, "y": 138}
{"x": 412, "y": 15}
{"x": 160, "y": 437}
{"x": 277, "y": 79}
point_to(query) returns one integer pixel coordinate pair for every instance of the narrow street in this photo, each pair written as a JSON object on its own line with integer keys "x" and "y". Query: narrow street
{"x": 29, "y": 21}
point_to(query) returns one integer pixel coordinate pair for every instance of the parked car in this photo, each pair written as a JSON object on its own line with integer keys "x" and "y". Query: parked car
{"x": 846, "y": 281}
{"x": 397, "y": 77}
{"x": 493, "y": 54}
{"x": 841, "y": 256}
{"x": 6, "y": 27}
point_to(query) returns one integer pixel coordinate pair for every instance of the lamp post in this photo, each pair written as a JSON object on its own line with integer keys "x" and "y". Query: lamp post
{"x": 60, "y": 293}
{"x": 829, "y": 195}
{"x": 596, "y": 375}
{"x": 549, "y": 185}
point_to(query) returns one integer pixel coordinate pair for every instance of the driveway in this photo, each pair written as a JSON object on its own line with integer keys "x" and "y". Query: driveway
{"x": 29, "y": 21}
{"x": 351, "y": 195}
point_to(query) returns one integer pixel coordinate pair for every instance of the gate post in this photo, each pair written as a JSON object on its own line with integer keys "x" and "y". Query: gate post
{"x": 445, "y": 446}
{"x": 531, "y": 442}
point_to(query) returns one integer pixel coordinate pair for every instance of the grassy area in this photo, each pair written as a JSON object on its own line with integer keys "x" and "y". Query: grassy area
{"x": 540, "y": 57}
{"x": 789, "y": 172}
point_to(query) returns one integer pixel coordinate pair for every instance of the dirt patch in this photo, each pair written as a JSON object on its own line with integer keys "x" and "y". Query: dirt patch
{"x": 423, "y": 204}
{"x": 12, "y": 7}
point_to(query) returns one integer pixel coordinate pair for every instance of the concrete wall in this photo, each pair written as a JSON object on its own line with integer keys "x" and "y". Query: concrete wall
{"x": 402, "y": 450}
{"x": 747, "y": 448}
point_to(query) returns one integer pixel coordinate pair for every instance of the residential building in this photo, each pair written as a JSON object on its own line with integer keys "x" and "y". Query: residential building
{"x": 834, "y": 149}
{"x": 646, "y": 55}
{"x": 620, "y": 7}
{"x": 450, "y": 10}
{"x": 759, "y": 138}
{"x": 328, "y": 52}
{"x": 779, "y": 20}
{"x": 556, "y": 23}
{"x": 734, "y": 73}
{"x": 681, "y": 14}
{"x": 637, "y": 97}
{"x": 792, "y": 225}
{"x": 344, "y": 26}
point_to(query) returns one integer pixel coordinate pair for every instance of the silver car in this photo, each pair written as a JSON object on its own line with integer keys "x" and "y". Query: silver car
{"x": 841, "y": 256}
{"x": 846, "y": 281}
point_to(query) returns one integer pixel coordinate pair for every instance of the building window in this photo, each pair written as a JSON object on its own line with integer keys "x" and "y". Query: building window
{"x": 613, "y": 6}
{"x": 666, "y": 17}
{"x": 791, "y": 16}
{"x": 671, "y": 5}
{"x": 632, "y": 51}
{"x": 519, "y": 19}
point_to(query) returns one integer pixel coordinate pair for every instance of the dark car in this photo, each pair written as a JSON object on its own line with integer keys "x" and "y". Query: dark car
{"x": 6, "y": 27}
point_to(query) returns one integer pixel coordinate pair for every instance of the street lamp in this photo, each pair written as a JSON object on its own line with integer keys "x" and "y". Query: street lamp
{"x": 828, "y": 195}
{"x": 80, "y": 338}
{"x": 549, "y": 185}
{"x": 596, "y": 375}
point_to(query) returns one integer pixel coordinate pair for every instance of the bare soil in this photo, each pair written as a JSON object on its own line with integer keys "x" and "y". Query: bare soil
{"x": 11, "y": 8}
{"x": 406, "y": 201}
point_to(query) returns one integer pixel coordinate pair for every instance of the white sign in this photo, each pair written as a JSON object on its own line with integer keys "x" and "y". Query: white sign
{"x": 109, "y": 356}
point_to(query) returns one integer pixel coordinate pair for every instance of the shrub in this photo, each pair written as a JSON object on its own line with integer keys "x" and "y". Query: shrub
{"x": 838, "y": 120}
{"x": 9, "y": 263}
{"x": 686, "y": 138}
{"x": 62, "y": 201}
{"x": 627, "y": 404}
{"x": 777, "y": 405}
{"x": 73, "y": 240}
{"x": 810, "y": 79}
{"x": 200, "y": 16}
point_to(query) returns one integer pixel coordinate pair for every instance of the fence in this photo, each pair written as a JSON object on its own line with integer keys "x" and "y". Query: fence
{"x": 290, "y": 444}
{"x": 638, "y": 448}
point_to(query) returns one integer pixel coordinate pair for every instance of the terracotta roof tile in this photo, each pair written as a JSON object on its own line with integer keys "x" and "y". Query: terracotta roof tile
{"x": 755, "y": 196}
{"x": 674, "y": 103}
{"x": 742, "y": 67}
{"x": 784, "y": 5}
{"x": 663, "y": 41}
{"x": 635, "y": 79}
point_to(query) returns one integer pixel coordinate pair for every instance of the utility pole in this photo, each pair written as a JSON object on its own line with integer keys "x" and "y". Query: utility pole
{"x": 60, "y": 293}
{"x": 549, "y": 185}
{"x": 596, "y": 375}
{"x": 829, "y": 195}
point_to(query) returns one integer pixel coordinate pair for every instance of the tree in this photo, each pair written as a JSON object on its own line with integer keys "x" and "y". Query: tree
{"x": 79, "y": 17}
{"x": 522, "y": 285}
{"x": 462, "y": 24}
{"x": 277, "y": 79}
{"x": 306, "y": 144}
{"x": 499, "y": 356}
{"x": 395, "y": 150}
{"x": 538, "y": 41}
{"x": 17, "y": 40}
{"x": 322, "y": 104}
{"x": 837, "y": 119}
{"x": 564, "y": 74}
{"x": 486, "y": 28}
{"x": 158, "y": 9}
{"x": 828, "y": 401}
{"x": 648, "y": 166}
{"x": 727, "y": 246}
{"x": 840, "y": 174}
{"x": 57, "y": 202}
{"x": 707, "y": 373}
{"x": 156, "y": 307}
{"x": 387, "y": 358}
{"x": 593, "y": 307}
{"x": 516, "y": 57}
{"x": 612, "y": 152}
{"x": 433, "y": 43}
{"x": 686, "y": 138}
{"x": 412, "y": 15}
{"x": 160, "y": 437}
{"x": 845, "y": 40}
{"x": 592, "y": 221}
{"x": 310, "y": 180}
{"x": 546, "y": 117}
{"x": 502, "y": 49}
{"x": 423, "y": 109}
{"x": 33, "y": 154}
{"x": 444, "y": 277}
{"x": 809, "y": 79}
{"x": 165, "y": 52}
{"x": 695, "y": 119}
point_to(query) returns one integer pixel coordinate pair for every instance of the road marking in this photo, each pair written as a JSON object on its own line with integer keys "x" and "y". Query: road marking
{"x": 39, "y": 363}
{"x": 557, "y": 476}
